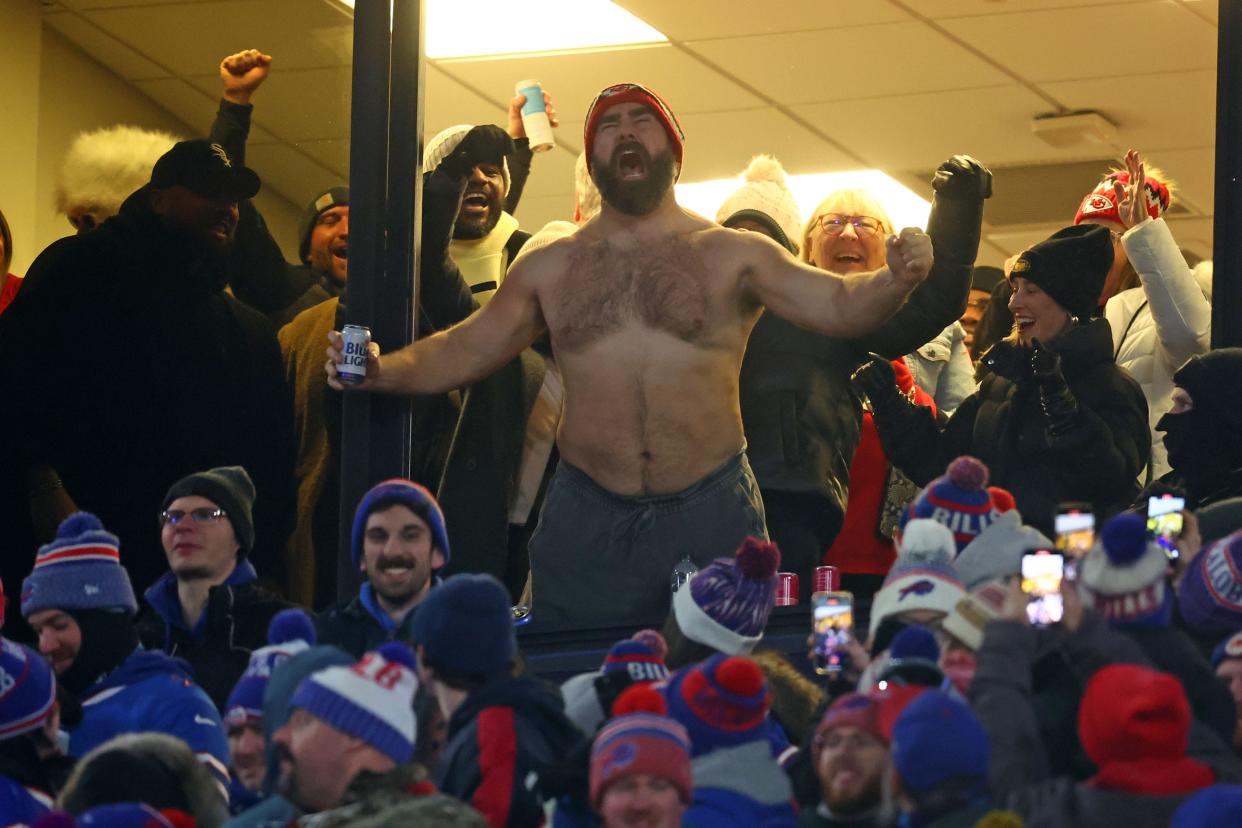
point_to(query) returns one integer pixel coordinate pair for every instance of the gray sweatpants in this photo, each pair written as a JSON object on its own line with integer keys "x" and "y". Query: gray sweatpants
{"x": 599, "y": 559}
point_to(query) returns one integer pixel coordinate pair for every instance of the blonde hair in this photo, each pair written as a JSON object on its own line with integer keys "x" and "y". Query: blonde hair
{"x": 1151, "y": 171}
{"x": 853, "y": 202}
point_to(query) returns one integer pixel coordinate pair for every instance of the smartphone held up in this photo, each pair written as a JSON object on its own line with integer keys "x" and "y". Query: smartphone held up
{"x": 1165, "y": 522}
{"x": 1043, "y": 574}
{"x": 832, "y": 625}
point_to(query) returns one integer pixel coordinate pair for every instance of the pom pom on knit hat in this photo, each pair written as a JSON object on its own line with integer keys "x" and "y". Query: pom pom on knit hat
{"x": 726, "y": 604}
{"x": 79, "y": 570}
{"x": 722, "y": 702}
{"x": 640, "y": 698}
{"x": 654, "y": 640}
{"x": 914, "y": 642}
{"x": 290, "y": 632}
{"x": 922, "y": 577}
{"x": 959, "y": 499}
{"x": 764, "y": 197}
{"x": 291, "y": 625}
{"x": 1125, "y": 574}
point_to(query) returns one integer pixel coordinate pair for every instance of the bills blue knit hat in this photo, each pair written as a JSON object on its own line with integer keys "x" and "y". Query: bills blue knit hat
{"x": 466, "y": 624}
{"x": 415, "y": 497}
{"x": 27, "y": 689}
{"x": 1219, "y": 806}
{"x": 1125, "y": 574}
{"x": 959, "y": 499}
{"x": 290, "y": 632}
{"x": 721, "y": 702}
{"x": 372, "y": 700}
{"x": 637, "y": 659}
{"x": 79, "y": 570}
{"x": 937, "y": 738}
{"x": 726, "y": 604}
{"x": 1211, "y": 591}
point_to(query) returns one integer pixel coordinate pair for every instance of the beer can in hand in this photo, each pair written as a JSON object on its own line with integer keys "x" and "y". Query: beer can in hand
{"x": 352, "y": 369}
{"x": 535, "y": 116}
{"x": 786, "y": 589}
{"x": 827, "y": 579}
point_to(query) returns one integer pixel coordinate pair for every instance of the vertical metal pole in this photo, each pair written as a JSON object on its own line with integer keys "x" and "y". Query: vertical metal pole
{"x": 385, "y": 188}
{"x": 1227, "y": 255}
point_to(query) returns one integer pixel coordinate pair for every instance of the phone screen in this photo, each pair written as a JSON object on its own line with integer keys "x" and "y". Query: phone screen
{"x": 832, "y": 622}
{"x": 1164, "y": 522}
{"x": 1042, "y": 574}
{"x": 1075, "y": 529}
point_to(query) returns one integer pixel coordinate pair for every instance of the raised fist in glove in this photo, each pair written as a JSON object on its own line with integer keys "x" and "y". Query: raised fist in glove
{"x": 1060, "y": 409}
{"x": 1005, "y": 359}
{"x": 877, "y": 381}
{"x": 962, "y": 177}
{"x": 483, "y": 144}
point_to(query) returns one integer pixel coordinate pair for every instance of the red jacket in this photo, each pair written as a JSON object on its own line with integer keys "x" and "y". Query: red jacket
{"x": 9, "y": 292}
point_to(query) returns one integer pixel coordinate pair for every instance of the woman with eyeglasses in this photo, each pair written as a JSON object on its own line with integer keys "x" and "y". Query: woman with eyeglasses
{"x": 802, "y": 419}
{"x": 1054, "y": 418}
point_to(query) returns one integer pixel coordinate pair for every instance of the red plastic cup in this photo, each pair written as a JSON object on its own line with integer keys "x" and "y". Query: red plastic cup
{"x": 827, "y": 579}
{"x": 786, "y": 589}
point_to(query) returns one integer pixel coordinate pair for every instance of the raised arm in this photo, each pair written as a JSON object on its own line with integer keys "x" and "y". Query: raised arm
{"x": 831, "y": 304}
{"x": 465, "y": 353}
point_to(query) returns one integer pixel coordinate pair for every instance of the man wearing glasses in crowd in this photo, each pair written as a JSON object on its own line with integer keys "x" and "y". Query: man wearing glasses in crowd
{"x": 209, "y": 608}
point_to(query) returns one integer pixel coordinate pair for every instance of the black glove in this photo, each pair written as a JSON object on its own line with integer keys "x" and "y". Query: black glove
{"x": 1055, "y": 398}
{"x": 483, "y": 144}
{"x": 1005, "y": 359}
{"x": 962, "y": 177}
{"x": 877, "y": 380}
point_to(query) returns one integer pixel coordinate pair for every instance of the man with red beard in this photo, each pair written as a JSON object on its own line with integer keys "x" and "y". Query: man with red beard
{"x": 649, "y": 308}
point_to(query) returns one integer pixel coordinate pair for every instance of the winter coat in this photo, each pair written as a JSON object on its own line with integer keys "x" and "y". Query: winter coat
{"x": 401, "y": 797}
{"x": 233, "y": 624}
{"x": 812, "y": 817}
{"x": 21, "y": 805}
{"x": 145, "y": 371}
{"x": 358, "y": 625}
{"x": 1002, "y": 424}
{"x": 800, "y": 414}
{"x": 500, "y": 734}
{"x": 1158, "y": 326}
{"x": 741, "y": 785}
{"x": 942, "y": 368}
{"x": 150, "y": 691}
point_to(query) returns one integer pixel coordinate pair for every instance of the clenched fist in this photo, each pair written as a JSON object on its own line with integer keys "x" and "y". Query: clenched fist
{"x": 909, "y": 256}
{"x": 243, "y": 73}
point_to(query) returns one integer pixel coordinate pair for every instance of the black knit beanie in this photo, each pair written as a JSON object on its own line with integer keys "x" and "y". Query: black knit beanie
{"x": 1070, "y": 266}
{"x": 230, "y": 488}
{"x": 329, "y": 198}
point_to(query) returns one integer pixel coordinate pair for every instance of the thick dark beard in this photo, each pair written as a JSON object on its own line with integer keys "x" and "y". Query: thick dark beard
{"x": 868, "y": 799}
{"x": 470, "y": 229}
{"x": 635, "y": 198}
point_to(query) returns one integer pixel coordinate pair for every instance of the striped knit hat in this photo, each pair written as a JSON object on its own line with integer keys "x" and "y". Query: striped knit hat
{"x": 636, "y": 658}
{"x": 722, "y": 702}
{"x": 372, "y": 700}
{"x": 959, "y": 499}
{"x": 633, "y": 93}
{"x": 27, "y": 689}
{"x": 79, "y": 570}
{"x": 1125, "y": 574}
{"x": 922, "y": 577}
{"x": 290, "y": 632}
{"x": 642, "y": 739}
{"x": 726, "y": 604}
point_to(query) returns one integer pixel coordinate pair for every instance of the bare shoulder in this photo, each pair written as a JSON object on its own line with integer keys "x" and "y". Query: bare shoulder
{"x": 742, "y": 246}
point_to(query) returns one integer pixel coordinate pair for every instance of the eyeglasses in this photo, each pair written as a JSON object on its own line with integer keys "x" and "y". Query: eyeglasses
{"x": 203, "y": 515}
{"x": 834, "y": 224}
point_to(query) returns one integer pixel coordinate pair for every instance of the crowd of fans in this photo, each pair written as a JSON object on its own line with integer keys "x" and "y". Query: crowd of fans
{"x": 830, "y": 392}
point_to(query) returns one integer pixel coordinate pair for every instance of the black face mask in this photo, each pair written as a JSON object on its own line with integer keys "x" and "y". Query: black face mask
{"x": 1200, "y": 448}
{"x": 108, "y": 638}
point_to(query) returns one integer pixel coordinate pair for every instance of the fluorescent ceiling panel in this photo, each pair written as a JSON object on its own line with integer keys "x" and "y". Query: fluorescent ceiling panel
{"x": 904, "y": 206}
{"x": 456, "y": 30}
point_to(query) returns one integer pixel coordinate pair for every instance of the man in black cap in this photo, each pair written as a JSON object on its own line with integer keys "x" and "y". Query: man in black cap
{"x": 126, "y": 366}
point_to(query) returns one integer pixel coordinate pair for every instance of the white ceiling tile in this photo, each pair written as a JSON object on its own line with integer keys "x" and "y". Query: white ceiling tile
{"x": 82, "y": 5}
{"x": 1194, "y": 234}
{"x": 282, "y": 114}
{"x": 1194, "y": 172}
{"x": 938, "y": 9}
{"x": 332, "y": 154}
{"x": 721, "y": 144}
{"x": 291, "y": 173}
{"x": 448, "y": 103}
{"x": 183, "y": 100}
{"x": 700, "y": 19}
{"x": 192, "y": 38}
{"x": 104, "y": 48}
{"x": 920, "y": 131}
{"x": 574, "y": 80}
{"x": 1172, "y": 111}
{"x": 1090, "y": 42}
{"x": 841, "y": 64}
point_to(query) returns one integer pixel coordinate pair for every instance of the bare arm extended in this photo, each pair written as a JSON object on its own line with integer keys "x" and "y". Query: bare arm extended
{"x": 466, "y": 352}
{"x": 832, "y": 304}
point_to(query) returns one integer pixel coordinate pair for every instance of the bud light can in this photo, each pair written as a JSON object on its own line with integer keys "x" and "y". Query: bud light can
{"x": 353, "y": 368}
{"x": 786, "y": 589}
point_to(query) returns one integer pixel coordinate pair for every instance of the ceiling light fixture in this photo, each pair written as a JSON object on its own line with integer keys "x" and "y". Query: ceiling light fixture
{"x": 905, "y": 207}
{"x": 487, "y": 28}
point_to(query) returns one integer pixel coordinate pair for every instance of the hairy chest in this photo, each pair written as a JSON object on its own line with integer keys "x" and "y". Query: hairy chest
{"x": 604, "y": 290}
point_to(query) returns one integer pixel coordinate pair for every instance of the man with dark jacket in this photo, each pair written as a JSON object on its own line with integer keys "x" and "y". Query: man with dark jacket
{"x": 399, "y": 543}
{"x": 147, "y": 370}
{"x": 209, "y": 608}
{"x": 501, "y": 728}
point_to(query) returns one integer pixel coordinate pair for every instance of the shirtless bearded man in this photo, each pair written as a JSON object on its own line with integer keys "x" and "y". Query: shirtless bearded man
{"x": 649, "y": 308}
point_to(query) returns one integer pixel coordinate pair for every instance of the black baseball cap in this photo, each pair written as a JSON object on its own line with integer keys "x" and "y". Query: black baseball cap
{"x": 204, "y": 168}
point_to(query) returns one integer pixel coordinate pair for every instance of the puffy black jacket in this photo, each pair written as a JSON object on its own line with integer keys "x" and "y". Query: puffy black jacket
{"x": 351, "y": 627}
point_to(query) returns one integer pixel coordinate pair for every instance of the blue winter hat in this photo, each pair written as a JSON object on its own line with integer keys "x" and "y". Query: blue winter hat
{"x": 1125, "y": 574}
{"x": 1211, "y": 591}
{"x": 466, "y": 624}
{"x": 27, "y": 689}
{"x": 721, "y": 702}
{"x": 937, "y": 738}
{"x": 726, "y": 604}
{"x": 415, "y": 497}
{"x": 289, "y": 633}
{"x": 959, "y": 500}
{"x": 372, "y": 700}
{"x": 79, "y": 570}
{"x": 1217, "y": 806}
